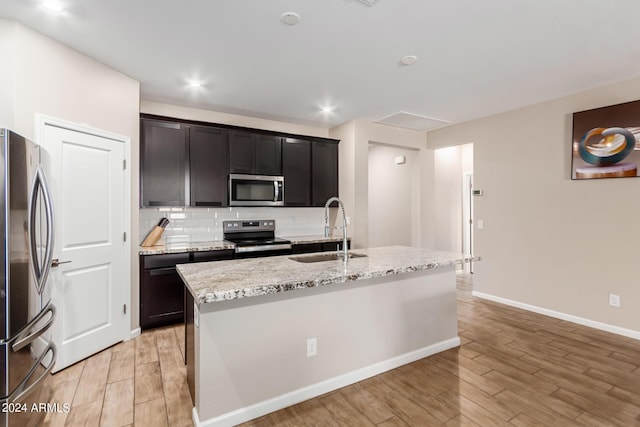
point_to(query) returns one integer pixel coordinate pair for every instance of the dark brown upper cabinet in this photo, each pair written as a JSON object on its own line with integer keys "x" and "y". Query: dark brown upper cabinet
{"x": 324, "y": 171}
{"x": 208, "y": 166}
{"x": 186, "y": 163}
{"x": 163, "y": 163}
{"x": 255, "y": 154}
{"x": 240, "y": 152}
{"x": 182, "y": 164}
{"x": 296, "y": 168}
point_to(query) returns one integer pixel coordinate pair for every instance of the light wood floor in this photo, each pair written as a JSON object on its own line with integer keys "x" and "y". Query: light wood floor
{"x": 139, "y": 382}
{"x": 514, "y": 368}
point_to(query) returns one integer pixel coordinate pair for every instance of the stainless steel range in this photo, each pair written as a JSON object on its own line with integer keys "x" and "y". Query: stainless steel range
{"x": 255, "y": 238}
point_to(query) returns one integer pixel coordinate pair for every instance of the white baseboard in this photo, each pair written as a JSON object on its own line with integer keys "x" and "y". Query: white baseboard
{"x": 134, "y": 333}
{"x": 265, "y": 407}
{"x": 563, "y": 316}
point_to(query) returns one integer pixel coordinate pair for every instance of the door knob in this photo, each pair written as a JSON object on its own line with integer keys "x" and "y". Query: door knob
{"x": 56, "y": 262}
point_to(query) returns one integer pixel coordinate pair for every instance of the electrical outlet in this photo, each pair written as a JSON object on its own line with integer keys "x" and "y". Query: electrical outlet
{"x": 480, "y": 224}
{"x": 312, "y": 347}
{"x": 614, "y": 300}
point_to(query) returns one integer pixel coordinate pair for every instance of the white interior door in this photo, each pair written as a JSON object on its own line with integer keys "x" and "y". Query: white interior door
{"x": 88, "y": 286}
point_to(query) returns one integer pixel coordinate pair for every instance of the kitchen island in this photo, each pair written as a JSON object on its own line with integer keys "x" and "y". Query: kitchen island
{"x": 271, "y": 332}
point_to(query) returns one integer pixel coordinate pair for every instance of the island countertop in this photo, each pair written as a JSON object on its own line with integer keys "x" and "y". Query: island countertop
{"x": 211, "y": 282}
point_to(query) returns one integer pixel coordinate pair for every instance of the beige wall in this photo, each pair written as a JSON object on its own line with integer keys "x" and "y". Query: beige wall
{"x": 548, "y": 241}
{"x": 394, "y": 197}
{"x": 51, "y": 79}
{"x": 346, "y": 133}
{"x": 354, "y": 172}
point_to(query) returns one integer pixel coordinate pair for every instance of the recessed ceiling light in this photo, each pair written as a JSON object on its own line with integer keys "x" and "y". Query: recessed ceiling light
{"x": 53, "y": 5}
{"x": 290, "y": 18}
{"x": 409, "y": 59}
{"x": 327, "y": 109}
{"x": 194, "y": 83}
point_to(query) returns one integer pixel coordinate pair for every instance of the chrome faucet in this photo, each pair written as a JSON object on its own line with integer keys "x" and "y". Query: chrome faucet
{"x": 345, "y": 246}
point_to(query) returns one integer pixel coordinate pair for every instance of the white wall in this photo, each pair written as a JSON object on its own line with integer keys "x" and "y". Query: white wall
{"x": 548, "y": 241}
{"x": 187, "y": 113}
{"x": 450, "y": 164}
{"x": 52, "y": 79}
{"x": 394, "y": 197}
{"x": 7, "y": 73}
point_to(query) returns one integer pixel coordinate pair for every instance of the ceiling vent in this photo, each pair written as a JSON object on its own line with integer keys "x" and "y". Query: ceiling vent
{"x": 368, "y": 2}
{"x": 412, "y": 121}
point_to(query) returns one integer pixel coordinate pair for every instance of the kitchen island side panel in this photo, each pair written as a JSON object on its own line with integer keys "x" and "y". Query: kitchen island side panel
{"x": 250, "y": 352}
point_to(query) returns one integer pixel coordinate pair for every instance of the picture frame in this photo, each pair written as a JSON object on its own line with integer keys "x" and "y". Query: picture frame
{"x": 605, "y": 142}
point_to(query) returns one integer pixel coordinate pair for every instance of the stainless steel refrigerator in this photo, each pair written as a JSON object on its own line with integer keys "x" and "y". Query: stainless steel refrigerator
{"x": 26, "y": 312}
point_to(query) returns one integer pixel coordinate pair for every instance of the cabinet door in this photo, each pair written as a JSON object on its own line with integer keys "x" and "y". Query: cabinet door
{"x": 240, "y": 152}
{"x": 208, "y": 166}
{"x": 163, "y": 159}
{"x": 324, "y": 171}
{"x": 161, "y": 297}
{"x": 268, "y": 155}
{"x": 296, "y": 168}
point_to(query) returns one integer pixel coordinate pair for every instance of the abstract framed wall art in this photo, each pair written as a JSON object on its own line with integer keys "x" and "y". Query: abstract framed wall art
{"x": 606, "y": 142}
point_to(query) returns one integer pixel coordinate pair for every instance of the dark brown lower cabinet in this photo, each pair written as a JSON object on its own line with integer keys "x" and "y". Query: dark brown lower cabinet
{"x": 162, "y": 290}
{"x": 161, "y": 298}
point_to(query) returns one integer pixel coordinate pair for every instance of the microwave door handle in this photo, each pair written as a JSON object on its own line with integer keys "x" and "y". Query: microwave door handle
{"x": 276, "y": 192}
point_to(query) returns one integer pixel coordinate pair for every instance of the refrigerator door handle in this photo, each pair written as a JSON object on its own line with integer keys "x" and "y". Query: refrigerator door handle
{"x": 26, "y": 336}
{"x": 41, "y": 269}
{"x": 22, "y": 391}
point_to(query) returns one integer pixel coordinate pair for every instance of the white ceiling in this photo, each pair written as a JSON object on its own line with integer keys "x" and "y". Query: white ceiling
{"x": 476, "y": 57}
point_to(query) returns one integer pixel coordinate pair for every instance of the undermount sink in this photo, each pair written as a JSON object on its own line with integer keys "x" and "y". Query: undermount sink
{"x": 332, "y": 256}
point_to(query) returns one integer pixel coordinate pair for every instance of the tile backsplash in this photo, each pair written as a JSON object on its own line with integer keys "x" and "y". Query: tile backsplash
{"x": 205, "y": 224}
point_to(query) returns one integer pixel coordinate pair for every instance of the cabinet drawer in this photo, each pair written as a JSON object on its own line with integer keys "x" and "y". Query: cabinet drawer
{"x": 206, "y": 256}
{"x": 166, "y": 260}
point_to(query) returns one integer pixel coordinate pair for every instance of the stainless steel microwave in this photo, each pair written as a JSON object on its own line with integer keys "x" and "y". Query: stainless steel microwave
{"x": 256, "y": 190}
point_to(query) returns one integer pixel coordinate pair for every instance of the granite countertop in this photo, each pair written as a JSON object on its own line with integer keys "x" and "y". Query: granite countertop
{"x": 174, "y": 248}
{"x": 211, "y": 282}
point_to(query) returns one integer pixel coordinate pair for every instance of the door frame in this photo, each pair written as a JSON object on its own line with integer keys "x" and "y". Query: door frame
{"x": 42, "y": 121}
{"x": 467, "y": 219}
